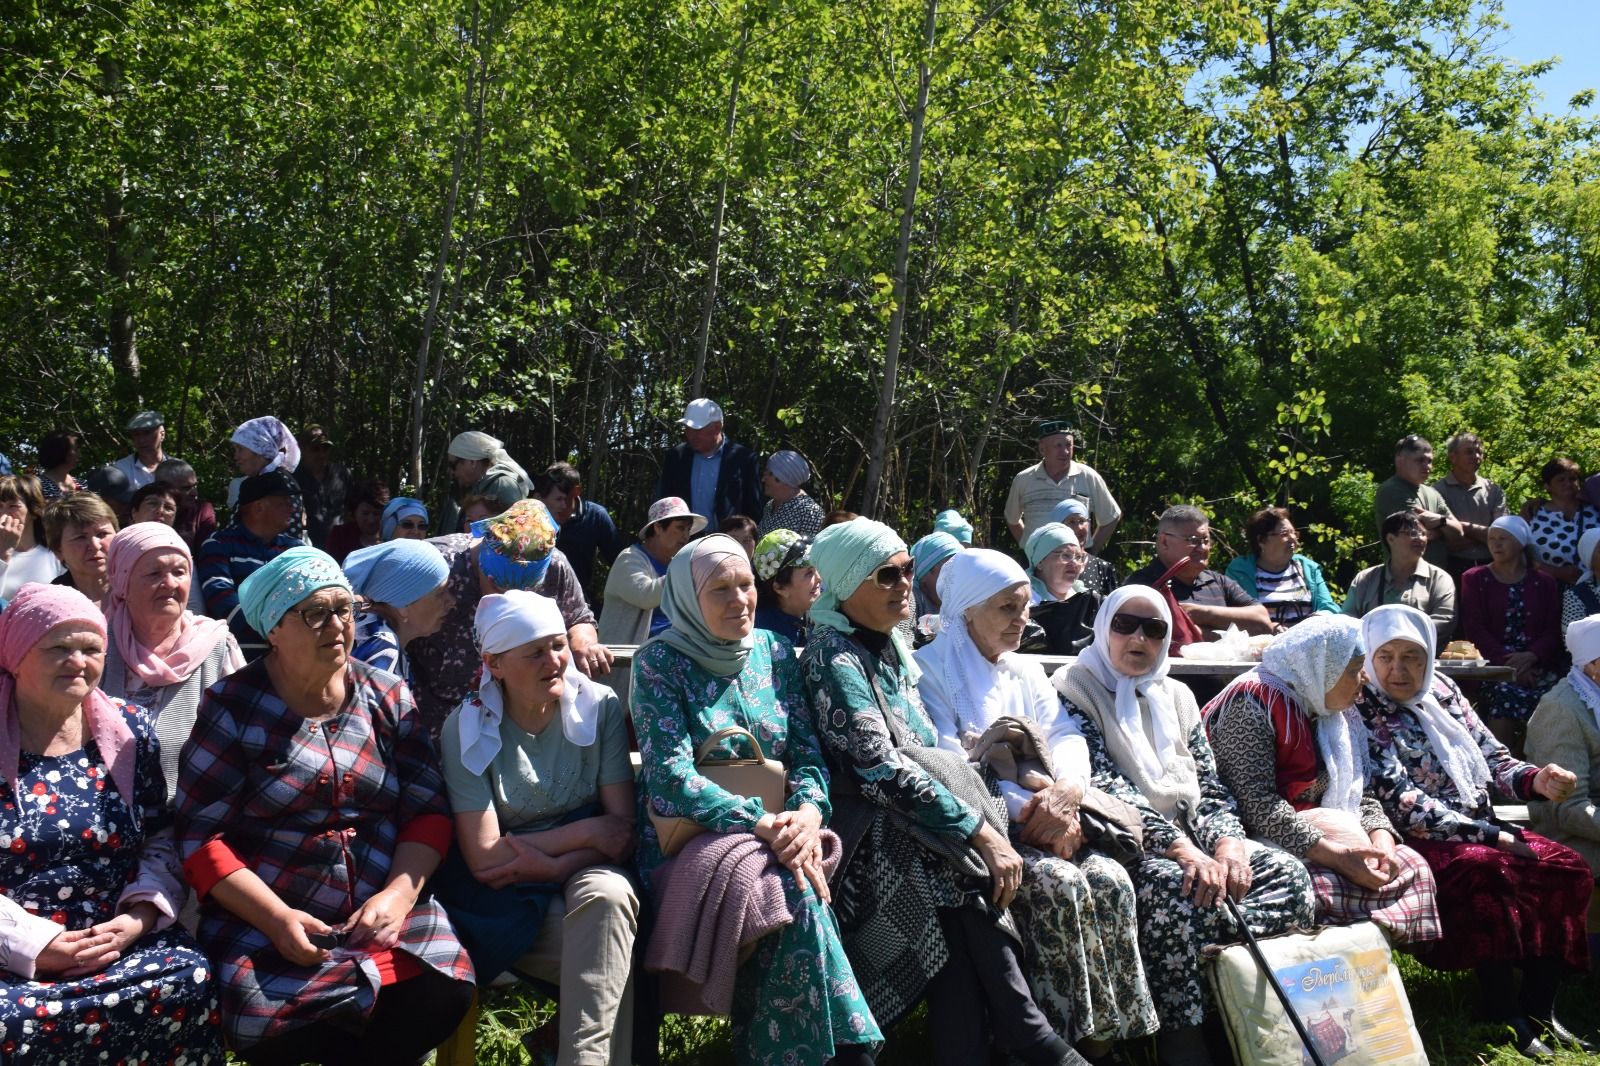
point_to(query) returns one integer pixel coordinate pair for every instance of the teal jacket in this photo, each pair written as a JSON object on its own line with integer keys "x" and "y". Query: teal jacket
{"x": 1243, "y": 570}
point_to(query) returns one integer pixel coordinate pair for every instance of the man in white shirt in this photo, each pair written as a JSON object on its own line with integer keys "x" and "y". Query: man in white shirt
{"x": 1036, "y": 491}
{"x": 147, "y": 430}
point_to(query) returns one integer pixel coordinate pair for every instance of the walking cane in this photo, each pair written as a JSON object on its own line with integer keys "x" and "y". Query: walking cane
{"x": 1254, "y": 948}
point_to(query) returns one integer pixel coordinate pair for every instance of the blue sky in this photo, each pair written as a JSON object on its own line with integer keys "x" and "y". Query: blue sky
{"x": 1570, "y": 29}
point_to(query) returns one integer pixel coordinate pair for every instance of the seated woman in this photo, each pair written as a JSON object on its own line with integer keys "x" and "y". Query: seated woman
{"x": 403, "y": 518}
{"x": 89, "y": 888}
{"x": 1407, "y": 578}
{"x": 1148, "y": 747}
{"x": 1063, "y": 606}
{"x": 155, "y": 502}
{"x": 1508, "y": 899}
{"x": 786, "y": 584}
{"x": 795, "y": 998}
{"x": 58, "y": 455}
{"x": 363, "y": 518}
{"x": 79, "y": 527}
{"x": 1291, "y": 748}
{"x": 1098, "y": 575}
{"x": 24, "y": 555}
{"x": 923, "y": 889}
{"x": 404, "y": 586}
{"x": 631, "y": 613}
{"x": 1565, "y": 730}
{"x": 1559, "y": 523}
{"x": 1288, "y": 584}
{"x": 928, "y": 557}
{"x": 743, "y": 529}
{"x": 536, "y": 764}
{"x": 1582, "y": 598}
{"x": 1509, "y": 610}
{"x": 310, "y": 816}
{"x": 1075, "y": 906}
{"x": 160, "y": 656}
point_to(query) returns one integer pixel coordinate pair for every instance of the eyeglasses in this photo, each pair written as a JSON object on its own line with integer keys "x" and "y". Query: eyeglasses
{"x": 317, "y": 618}
{"x": 1128, "y": 624}
{"x": 1070, "y": 555}
{"x": 887, "y": 577}
{"x": 1194, "y": 540}
{"x": 414, "y": 523}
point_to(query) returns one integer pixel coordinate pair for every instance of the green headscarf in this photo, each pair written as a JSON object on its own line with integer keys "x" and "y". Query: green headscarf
{"x": 845, "y": 555}
{"x": 1041, "y": 542}
{"x": 680, "y": 602}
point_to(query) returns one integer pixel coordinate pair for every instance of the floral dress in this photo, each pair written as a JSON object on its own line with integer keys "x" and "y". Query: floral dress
{"x": 796, "y": 999}
{"x": 67, "y": 851}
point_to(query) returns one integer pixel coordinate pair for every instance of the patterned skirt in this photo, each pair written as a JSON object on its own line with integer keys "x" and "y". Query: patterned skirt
{"x": 1406, "y": 908}
{"x": 1498, "y": 907}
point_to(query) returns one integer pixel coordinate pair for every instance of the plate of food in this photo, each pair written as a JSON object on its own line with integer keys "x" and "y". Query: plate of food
{"x": 1462, "y": 653}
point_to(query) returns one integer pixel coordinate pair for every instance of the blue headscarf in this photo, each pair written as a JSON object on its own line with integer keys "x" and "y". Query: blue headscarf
{"x": 1041, "y": 542}
{"x": 1066, "y": 508}
{"x": 266, "y": 595}
{"x": 399, "y": 572}
{"x": 398, "y": 508}
{"x": 845, "y": 555}
{"x": 951, "y": 522}
{"x": 931, "y": 550}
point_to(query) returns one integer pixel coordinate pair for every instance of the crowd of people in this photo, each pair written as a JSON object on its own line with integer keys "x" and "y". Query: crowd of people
{"x": 294, "y": 784}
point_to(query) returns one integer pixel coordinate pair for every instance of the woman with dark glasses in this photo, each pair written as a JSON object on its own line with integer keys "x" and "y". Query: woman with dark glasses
{"x": 1148, "y": 747}
{"x": 928, "y": 873}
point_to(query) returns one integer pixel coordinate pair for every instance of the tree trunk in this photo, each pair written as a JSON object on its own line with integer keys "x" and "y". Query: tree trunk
{"x": 708, "y": 302}
{"x": 878, "y": 445}
{"x": 975, "y": 466}
{"x": 123, "y": 341}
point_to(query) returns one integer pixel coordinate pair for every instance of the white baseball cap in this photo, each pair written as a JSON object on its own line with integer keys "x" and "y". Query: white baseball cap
{"x": 700, "y": 414}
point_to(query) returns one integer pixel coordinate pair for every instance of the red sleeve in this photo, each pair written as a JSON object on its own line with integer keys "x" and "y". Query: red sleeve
{"x": 434, "y": 830}
{"x": 214, "y": 861}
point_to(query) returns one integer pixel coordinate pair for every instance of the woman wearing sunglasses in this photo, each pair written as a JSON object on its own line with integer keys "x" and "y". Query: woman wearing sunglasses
{"x": 310, "y": 815}
{"x": 923, "y": 889}
{"x": 1148, "y": 747}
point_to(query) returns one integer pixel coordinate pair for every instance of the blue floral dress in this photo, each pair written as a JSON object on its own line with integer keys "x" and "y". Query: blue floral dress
{"x": 796, "y": 999}
{"x": 69, "y": 845}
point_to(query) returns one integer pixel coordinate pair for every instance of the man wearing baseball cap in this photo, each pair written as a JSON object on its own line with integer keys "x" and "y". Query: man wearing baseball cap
{"x": 258, "y": 534}
{"x": 147, "y": 430}
{"x": 717, "y": 476}
{"x": 1055, "y": 477}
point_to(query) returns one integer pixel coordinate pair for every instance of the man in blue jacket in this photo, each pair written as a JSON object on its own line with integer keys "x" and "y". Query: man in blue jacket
{"x": 716, "y": 475}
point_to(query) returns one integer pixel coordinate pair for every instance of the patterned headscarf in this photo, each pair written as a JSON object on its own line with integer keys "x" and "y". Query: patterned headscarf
{"x": 517, "y": 545}
{"x": 197, "y": 635}
{"x": 396, "y": 509}
{"x": 266, "y": 595}
{"x": 687, "y": 574}
{"x": 773, "y": 553}
{"x": 1308, "y": 661}
{"x": 845, "y": 555}
{"x": 271, "y": 440}
{"x": 789, "y": 467}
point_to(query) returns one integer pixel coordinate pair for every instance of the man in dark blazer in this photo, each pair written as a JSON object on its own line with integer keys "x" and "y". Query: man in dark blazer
{"x": 716, "y": 475}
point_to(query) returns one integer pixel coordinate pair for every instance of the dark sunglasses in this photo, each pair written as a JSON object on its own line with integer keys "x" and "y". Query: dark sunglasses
{"x": 887, "y": 577}
{"x": 1129, "y": 624}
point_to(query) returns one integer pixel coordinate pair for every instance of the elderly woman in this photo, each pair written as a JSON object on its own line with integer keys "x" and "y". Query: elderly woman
{"x": 92, "y": 968}
{"x": 1508, "y": 899}
{"x": 795, "y": 999}
{"x": 1291, "y": 748}
{"x": 786, "y": 584}
{"x": 310, "y": 817}
{"x": 1559, "y": 523}
{"x": 1407, "y": 578}
{"x": 484, "y": 471}
{"x": 788, "y": 506}
{"x": 1288, "y": 584}
{"x": 1148, "y": 747}
{"x": 160, "y": 656}
{"x": 536, "y": 764}
{"x": 1582, "y": 598}
{"x": 1565, "y": 730}
{"x": 928, "y": 557}
{"x": 403, "y": 518}
{"x": 363, "y": 517}
{"x": 260, "y": 446}
{"x": 631, "y": 613}
{"x": 923, "y": 890}
{"x": 1062, "y": 606}
{"x": 58, "y": 455}
{"x": 1075, "y": 908}
{"x": 79, "y": 527}
{"x": 24, "y": 556}
{"x": 155, "y": 502}
{"x": 1511, "y": 611}
{"x": 1098, "y": 575}
{"x": 405, "y": 594}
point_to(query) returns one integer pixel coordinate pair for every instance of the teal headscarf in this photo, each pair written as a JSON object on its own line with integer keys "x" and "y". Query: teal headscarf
{"x": 266, "y": 595}
{"x": 1041, "y": 542}
{"x": 932, "y": 550}
{"x": 951, "y": 522}
{"x": 680, "y": 602}
{"x": 845, "y": 555}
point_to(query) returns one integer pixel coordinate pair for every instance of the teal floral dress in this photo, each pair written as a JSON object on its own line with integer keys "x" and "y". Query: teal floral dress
{"x": 795, "y": 999}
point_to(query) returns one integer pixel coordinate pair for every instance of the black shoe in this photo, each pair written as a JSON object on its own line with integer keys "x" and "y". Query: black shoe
{"x": 1527, "y": 1040}
{"x": 1554, "y": 1032}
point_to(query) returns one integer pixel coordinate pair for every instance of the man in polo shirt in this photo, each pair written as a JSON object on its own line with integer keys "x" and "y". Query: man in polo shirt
{"x": 718, "y": 477}
{"x": 1409, "y": 490}
{"x": 147, "y": 430}
{"x": 1473, "y": 501}
{"x": 258, "y": 534}
{"x": 1214, "y": 601}
{"x": 1055, "y": 477}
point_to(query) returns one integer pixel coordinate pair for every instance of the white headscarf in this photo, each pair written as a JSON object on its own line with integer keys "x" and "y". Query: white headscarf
{"x": 506, "y": 620}
{"x": 271, "y": 440}
{"x": 1310, "y": 659}
{"x": 1583, "y": 642}
{"x": 1451, "y": 742}
{"x": 476, "y": 445}
{"x": 971, "y": 682}
{"x": 1586, "y": 546}
{"x": 1516, "y": 525}
{"x": 1154, "y": 753}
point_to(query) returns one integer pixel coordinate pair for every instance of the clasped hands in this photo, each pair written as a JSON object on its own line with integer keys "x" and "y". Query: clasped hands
{"x": 79, "y": 952}
{"x": 796, "y": 838}
{"x": 1207, "y": 877}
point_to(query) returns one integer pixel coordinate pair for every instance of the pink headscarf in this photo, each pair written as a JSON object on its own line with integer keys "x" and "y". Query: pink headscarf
{"x": 34, "y": 612}
{"x": 197, "y": 636}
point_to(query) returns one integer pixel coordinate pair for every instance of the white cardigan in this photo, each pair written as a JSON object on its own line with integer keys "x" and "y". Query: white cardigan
{"x": 633, "y": 591}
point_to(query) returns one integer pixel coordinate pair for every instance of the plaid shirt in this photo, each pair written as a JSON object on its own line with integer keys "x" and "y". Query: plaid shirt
{"x": 316, "y": 809}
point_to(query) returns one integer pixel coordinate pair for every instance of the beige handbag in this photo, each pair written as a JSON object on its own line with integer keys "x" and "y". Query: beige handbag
{"x": 757, "y": 777}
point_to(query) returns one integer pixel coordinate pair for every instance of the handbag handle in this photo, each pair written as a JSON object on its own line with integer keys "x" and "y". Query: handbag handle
{"x": 702, "y": 753}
